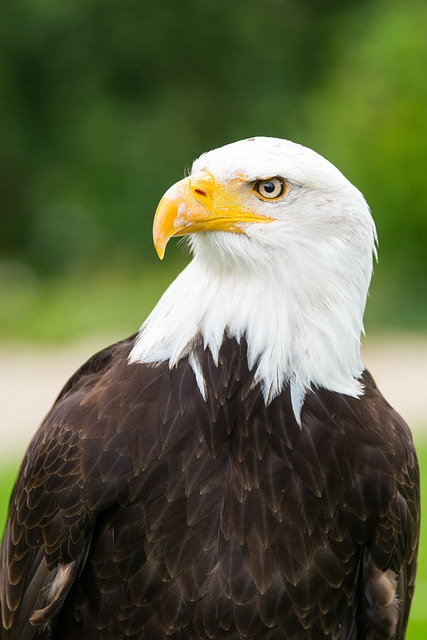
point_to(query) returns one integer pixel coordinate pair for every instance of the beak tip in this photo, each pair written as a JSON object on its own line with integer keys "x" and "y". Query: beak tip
{"x": 160, "y": 248}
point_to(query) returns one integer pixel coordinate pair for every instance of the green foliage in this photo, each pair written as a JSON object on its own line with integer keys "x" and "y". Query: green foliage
{"x": 113, "y": 300}
{"x": 376, "y": 97}
{"x": 8, "y": 473}
{"x": 417, "y": 629}
{"x": 104, "y": 104}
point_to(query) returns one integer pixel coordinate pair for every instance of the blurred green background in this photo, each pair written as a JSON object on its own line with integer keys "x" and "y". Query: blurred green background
{"x": 103, "y": 104}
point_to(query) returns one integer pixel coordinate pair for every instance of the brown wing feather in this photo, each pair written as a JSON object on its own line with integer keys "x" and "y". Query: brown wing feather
{"x": 144, "y": 511}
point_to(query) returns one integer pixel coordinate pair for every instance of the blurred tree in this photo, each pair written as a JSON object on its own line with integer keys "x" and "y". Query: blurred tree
{"x": 374, "y": 103}
{"x": 103, "y": 103}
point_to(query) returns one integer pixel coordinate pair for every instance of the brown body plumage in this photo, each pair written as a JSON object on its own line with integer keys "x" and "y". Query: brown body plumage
{"x": 223, "y": 519}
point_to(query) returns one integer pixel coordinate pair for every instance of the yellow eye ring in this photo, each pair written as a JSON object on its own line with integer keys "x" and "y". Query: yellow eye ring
{"x": 270, "y": 188}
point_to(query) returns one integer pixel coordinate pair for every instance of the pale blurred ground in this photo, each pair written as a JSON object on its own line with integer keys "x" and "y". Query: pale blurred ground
{"x": 32, "y": 376}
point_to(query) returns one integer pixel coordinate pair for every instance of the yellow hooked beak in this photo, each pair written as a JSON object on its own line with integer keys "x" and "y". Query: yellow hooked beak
{"x": 199, "y": 203}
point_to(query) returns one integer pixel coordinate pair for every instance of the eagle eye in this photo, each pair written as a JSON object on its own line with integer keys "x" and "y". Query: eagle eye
{"x": 270, "y": 189}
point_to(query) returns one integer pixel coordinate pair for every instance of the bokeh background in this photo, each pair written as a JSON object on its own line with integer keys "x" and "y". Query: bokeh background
{"x": 104, "y": 103}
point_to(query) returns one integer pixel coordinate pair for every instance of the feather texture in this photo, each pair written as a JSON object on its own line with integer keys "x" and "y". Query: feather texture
{"x": 144, "y": 511}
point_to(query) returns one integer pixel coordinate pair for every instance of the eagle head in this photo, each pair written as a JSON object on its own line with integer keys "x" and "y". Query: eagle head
{"x": 276, "y": 198}
{"x": 282, "y": 249}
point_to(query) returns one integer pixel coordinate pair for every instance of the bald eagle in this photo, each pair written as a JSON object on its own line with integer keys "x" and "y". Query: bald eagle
{"x": 231, "y": 471}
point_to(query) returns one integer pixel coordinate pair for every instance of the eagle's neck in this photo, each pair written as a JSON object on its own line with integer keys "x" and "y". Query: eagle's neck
{"x": 303, "y": 331}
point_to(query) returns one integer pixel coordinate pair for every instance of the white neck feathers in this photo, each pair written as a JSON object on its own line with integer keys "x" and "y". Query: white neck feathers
{"x": 304, "y": 331}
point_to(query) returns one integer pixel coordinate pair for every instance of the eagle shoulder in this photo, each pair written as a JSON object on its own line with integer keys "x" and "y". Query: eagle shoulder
{"x": 73, "y": 470}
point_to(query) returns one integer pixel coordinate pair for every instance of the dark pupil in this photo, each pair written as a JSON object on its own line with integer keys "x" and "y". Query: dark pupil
{"x": 269, "y": 187}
